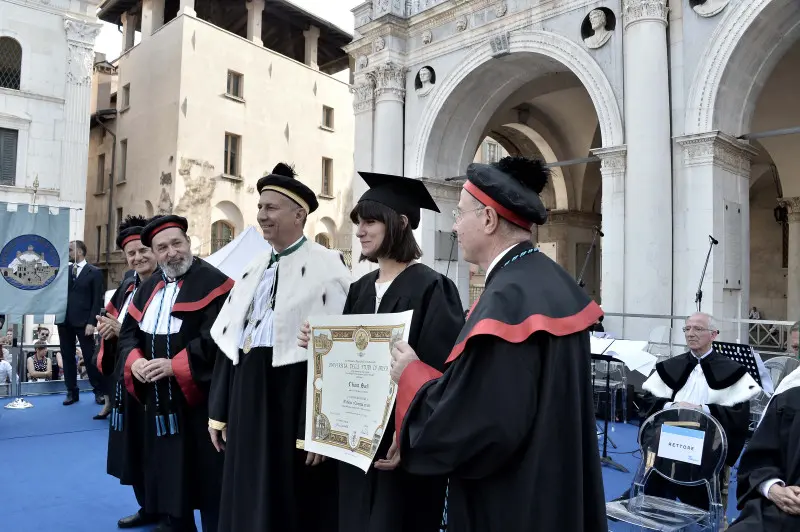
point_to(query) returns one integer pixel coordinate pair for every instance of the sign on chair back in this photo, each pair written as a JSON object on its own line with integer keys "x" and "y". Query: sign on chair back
{"x": 686, "y": 447}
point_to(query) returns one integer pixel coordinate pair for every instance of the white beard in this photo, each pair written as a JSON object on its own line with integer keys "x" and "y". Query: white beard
{"x": 173, "y": 271}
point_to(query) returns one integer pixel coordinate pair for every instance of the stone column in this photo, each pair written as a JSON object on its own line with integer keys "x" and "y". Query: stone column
{"x": 255, "y": 14}
{"x": 129, "y": 22}
{"x": 74, "y": 148}
{"x": 187, "y": 8}
{"x": 390, "y": 95}
{"x": 312, "y": 47}
{"x": 364, "y": 109}
{"x": 648, "y": 231}
{"x": 793, "y": 274}
{"x": 712, "y": 198}
{"x": 612, "y": 250}
{"x": 152, "y": 17}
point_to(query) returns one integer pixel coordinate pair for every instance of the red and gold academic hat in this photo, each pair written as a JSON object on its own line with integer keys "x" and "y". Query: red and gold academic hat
{"x": 160, "y": 223}
{"x": 511, "y": 187}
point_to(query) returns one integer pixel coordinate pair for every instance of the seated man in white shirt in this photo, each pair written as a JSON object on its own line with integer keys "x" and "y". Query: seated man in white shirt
{"x": 5, "y": 367}
{"x": 768, "y": 489}
{"x": 706, "y": 380}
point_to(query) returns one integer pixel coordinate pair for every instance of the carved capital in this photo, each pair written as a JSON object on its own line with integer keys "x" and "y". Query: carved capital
{"x": 645, "y": 10}
{"x": 364, "y": 94}
{"x": 613, "y": 161}
{"x": 717, "y": 149}
{"x": 385, "y": 7}
{"x": 80, "y": 32}
{"x": 390, "y": 80}
{"x": 792, "y": 206}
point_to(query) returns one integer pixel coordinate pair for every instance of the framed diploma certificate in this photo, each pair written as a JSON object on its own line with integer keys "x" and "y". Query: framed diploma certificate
{"x": 350, "y": 394}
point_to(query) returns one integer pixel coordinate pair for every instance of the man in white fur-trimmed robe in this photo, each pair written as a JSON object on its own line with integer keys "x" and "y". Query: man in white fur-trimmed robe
{"x": 257, "y": 398}
{"x": 707, "y": 380}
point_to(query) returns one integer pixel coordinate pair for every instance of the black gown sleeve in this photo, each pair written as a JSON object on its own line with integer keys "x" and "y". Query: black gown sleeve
{"x": 763, "y": 458}
{"x": 441, "y": 323}
{"x": 736, "y": 422}
{"x": 470, "y": 421}
{"x": 194, "y": 365}
{"x": 219, "y": 394}
{"x": 130, "y": 348}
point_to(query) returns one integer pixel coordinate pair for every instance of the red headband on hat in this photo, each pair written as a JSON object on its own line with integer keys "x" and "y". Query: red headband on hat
{"x": 167, "y": 225}
{"x": 129, "y": 239}
{"x": 484, "y": 198}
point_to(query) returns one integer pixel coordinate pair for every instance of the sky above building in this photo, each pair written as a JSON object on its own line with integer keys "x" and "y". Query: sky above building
{"x": 337, "y": 12}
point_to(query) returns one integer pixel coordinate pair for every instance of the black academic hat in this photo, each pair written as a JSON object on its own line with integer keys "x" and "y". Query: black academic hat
{"x": 130, "y": 230}
{"x": 403, "y": 195}
{"x": 159, "y": 223}
{"x": 282, "y": 180}
{"x": 511, "y": 187}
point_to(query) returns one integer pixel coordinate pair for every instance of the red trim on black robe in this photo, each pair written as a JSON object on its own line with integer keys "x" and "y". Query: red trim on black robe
{"x": 191, "y": 306}
{"x": 134, "y": 355}
{"x": 112, "y": 312}
{"x": 414, "y": 377}
{"x": 183, "y": 375}
{"x": 137, "y": 314}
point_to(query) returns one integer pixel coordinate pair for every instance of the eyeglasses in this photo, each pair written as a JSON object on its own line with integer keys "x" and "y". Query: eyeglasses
{"x": 697, "y": 329}
{"x": 458, "y": 213}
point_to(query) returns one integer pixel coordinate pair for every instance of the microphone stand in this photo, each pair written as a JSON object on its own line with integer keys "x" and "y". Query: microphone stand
{"x": 699, "y": 295}
{"x": 595, "y": 231}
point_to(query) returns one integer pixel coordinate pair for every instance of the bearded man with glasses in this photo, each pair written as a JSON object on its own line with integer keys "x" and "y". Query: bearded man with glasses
{"x": 706, "y": 380}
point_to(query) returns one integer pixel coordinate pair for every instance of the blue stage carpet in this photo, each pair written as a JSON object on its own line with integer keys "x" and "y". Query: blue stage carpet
{"x": 54, "y": 463}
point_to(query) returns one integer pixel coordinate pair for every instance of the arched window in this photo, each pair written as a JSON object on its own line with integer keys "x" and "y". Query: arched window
{"x": 222, "y": 233}
{"x": 323, "y": 240}
{"x": 10, "y": 63}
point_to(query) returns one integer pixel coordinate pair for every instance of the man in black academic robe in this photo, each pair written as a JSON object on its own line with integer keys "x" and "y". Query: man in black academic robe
{"x": 126, "y": 434}
{"x": 169, "y": 359}
{"x": 707, "y": 380}
{"x": 511, "y": 420}
{"x": 768, "y": 486}
{"x": 394, "y": 500}
{"x": 257, "y": 402}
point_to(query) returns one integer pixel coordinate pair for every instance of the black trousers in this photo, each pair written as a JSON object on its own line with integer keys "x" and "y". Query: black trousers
{"x": 67, "y": 335}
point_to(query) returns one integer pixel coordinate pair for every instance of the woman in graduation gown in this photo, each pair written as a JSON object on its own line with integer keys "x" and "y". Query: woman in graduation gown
{"x": 768, "y": 488}
{"x": 386, "y": 499}
{"x": 125, "y": 439}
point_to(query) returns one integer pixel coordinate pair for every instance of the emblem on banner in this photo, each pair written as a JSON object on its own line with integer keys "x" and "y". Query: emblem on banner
{"x": 29, "y": 262}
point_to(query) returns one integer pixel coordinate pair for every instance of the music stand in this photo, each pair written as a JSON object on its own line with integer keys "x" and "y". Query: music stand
{"x": 605, "y": 459}
{"x": 744, "y": 355}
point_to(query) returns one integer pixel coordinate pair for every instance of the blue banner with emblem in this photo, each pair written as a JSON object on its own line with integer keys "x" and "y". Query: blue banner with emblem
{"x": 34, "y": 259}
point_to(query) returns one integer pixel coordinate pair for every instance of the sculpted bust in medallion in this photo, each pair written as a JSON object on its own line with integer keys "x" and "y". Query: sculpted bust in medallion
{"x": 601, "y": 35}
{"x": 708, "y": 8}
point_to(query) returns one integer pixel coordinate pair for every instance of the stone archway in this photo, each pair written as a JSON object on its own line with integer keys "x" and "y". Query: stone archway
{"x": 535, "y": 52}
{"x": 751, "y": 38}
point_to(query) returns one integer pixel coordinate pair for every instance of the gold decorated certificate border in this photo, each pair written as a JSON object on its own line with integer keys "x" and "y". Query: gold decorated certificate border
{"x": 361, "y": 336}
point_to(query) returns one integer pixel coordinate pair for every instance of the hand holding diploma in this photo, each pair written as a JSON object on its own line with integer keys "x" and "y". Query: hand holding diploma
{"x": 402, "y": 356}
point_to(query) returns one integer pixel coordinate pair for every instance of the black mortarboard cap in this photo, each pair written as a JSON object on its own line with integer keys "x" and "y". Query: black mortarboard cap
{"x": 511, "y": 187}
{"x": 282, "y": 180}
{"x": 403, "y": 195}
{"x": 160, "y": 223}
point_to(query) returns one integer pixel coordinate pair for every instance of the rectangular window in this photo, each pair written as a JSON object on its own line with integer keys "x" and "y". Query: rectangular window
{"x": 327, "y": 117}
{"x": 235, "y": 84}
{"x": 492, "y": 153}
{"x": 8, "y": 156}
{"x": 118, "y": 221}
{"x": 101, "y": 173}
{"x": 327, "y": 177}
{"x": 98, "y": 240}
{"x": 126, "y": 96}
{"x": 123, "y": 160}
{"x": 233, "y": 144}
